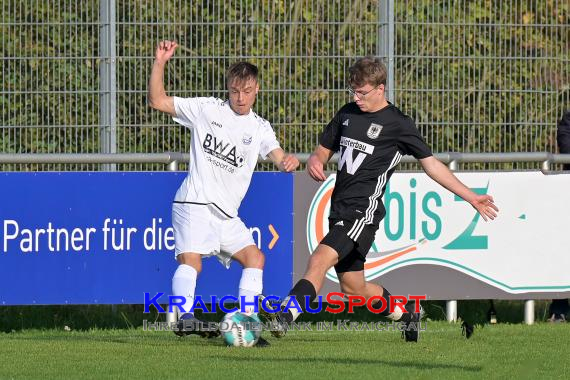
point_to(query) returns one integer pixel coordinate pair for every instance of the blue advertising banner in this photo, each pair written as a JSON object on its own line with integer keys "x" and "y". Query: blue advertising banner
{"x": 107, "y": 238}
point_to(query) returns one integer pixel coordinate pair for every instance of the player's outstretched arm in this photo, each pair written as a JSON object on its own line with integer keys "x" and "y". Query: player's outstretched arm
{"x": 484, "y": 204}
{"x": 157, "y": 97}
{"x": 284, "y": 162}
{"x": 317, "y": 161}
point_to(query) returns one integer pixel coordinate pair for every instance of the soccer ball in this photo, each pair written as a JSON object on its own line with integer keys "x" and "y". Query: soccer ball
{"x": 240, "y": 330}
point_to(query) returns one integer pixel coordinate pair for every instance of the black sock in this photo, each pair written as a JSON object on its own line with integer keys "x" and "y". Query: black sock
{"x": 386, "y": 295}
{"x": 301, "y": 289}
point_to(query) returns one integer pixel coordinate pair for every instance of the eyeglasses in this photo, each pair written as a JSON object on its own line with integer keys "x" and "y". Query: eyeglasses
{"x": 358, "y": 94}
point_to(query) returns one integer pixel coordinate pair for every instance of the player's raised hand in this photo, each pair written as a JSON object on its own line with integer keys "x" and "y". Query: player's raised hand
{"x": 290, "y": 162}
{"x": 485, "y": 205}
{"x": 315, "y": 168}
{"x": 165, "y": 50}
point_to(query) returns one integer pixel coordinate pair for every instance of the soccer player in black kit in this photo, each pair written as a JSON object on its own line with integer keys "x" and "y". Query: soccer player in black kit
{"x": 371, "y": 136}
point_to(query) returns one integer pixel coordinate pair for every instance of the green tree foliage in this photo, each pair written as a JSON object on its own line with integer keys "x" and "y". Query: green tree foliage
{"x": 478, "y": 76}
{"x": 498, "y": 72}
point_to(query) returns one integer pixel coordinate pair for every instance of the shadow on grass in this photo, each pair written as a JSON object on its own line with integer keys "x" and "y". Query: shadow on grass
{"x": 325, "y": 360}
{"x": 151, "y": 339}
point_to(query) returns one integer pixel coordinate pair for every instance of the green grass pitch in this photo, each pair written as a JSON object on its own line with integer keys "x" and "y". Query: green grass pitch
{"x": 498, "y": 351}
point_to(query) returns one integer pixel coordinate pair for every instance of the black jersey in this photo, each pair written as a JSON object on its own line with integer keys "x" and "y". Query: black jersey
{"x": 370, "y": 145}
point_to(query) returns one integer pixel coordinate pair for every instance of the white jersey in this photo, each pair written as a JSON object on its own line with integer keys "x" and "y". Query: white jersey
{"x": 223, "y": 152}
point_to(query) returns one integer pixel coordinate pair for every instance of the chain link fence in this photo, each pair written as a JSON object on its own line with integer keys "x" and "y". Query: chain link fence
{"x": 484, "y": 76}
{"x": 477, "y": 76}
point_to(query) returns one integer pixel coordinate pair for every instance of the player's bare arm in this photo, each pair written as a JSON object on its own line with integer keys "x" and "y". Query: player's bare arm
{"x": 284, "y": 162}
{"x": 484, "y": 204}
{"x": 157, "y": 97}
{"x": 317, "y": 161}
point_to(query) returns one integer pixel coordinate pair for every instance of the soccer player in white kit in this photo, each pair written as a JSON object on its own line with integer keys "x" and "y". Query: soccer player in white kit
{"x": 227, "y": 138}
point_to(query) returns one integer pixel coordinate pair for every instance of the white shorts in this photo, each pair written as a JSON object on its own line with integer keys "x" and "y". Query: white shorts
{"x": 203, "y": 229}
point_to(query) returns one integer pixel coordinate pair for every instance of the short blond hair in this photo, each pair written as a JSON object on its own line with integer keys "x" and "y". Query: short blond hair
{"x": 242, "y": 72}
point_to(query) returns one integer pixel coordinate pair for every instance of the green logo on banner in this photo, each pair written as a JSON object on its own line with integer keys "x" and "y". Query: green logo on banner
{"x": 466, "y": 240}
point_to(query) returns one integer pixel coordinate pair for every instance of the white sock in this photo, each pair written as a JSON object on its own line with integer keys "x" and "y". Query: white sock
{"x": 184, "y": 284}
{"x": 250, "y": 285}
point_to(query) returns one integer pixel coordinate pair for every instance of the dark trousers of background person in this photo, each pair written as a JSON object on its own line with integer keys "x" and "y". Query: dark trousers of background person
{"x": 559, "y": 308}
{"x": 563, "y": 135}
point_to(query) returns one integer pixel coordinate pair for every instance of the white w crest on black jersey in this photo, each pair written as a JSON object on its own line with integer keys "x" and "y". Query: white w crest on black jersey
{"x": 369, "y": 151}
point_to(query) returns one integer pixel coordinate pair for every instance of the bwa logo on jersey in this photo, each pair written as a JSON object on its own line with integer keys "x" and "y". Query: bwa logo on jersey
{"x": 416, "y": 221}
{"x": 223, "y": 151}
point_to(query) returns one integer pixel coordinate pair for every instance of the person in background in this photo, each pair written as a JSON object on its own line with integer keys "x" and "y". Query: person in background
{"x": 558, "y": 309}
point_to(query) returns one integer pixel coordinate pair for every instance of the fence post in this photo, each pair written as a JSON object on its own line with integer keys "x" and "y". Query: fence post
{"x": 451, "y": 305}
{"x": 107, "y": 81}
{"x": 172, "y": 317}
{"x": 172, "y": 166}
{"x": 385, "y": 43}
{"x": 451, "y": 310}
{"x": 529, "y": 312}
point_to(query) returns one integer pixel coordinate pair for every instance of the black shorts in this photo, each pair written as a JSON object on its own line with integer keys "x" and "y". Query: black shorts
{"x": 351, "y": 253}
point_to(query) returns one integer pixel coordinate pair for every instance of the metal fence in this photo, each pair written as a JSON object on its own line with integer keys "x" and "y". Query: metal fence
{"x": 484, "y": 76}
{"x": 477, "y": 76}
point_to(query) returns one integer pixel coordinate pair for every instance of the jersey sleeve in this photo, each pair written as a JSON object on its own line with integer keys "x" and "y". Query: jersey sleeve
{"x": 411, "y": 142}
{"x": 330, "y": 138}
{"x": 268, "y": 140}
{"x": 188, "y": 110}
